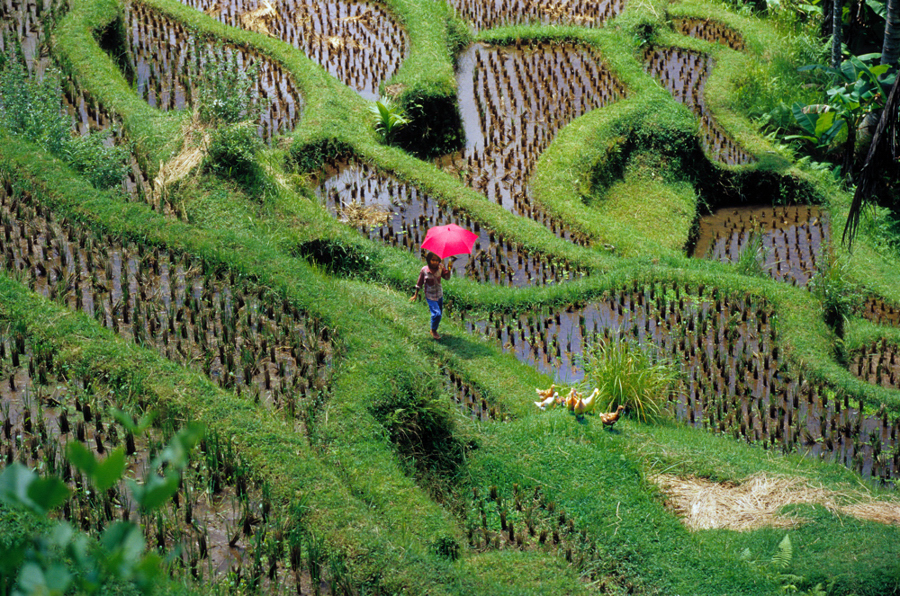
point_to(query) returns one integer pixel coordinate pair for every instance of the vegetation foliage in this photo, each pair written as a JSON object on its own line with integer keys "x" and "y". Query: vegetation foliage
{"x": 380, "y": 477}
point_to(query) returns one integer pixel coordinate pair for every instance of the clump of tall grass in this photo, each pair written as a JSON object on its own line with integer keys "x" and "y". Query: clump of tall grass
{"x": 31, "y": 107}
{"x": 752, "y": 258}
{"x": 628, "y": 374}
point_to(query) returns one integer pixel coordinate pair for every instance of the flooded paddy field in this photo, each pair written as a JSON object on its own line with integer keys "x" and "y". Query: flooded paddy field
{"x": 733, "y": 378}
{"x": 513, "y": 101}
{"x": 708, "y": 30}
{"x": 487, "y": 15}
{"x": 878, "y": 363}
{"x": 788, "y": 240}
{"x": 391, "y": 211}
{"x": 241, "y": 336}
{"x": 167, "y": 63}
{"x": 684, "y": 74}
{"x": 220, "y": 522}
{"x": 359, "y": 43}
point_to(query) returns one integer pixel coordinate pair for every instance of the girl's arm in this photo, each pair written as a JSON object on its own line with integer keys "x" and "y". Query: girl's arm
{"x": 446, "y": 271}
{"x": 419, "y": 283}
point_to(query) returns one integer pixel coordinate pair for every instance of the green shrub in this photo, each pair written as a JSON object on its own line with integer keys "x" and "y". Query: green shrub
{"x": 232, "y": 150}
{"x": 103, "y": 165}
{"x": 226, "y": 89}
{"x": 31, "y": 108}
{"x": 627, "y": 374}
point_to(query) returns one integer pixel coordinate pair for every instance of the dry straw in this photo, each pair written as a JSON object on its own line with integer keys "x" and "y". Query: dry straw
{"x": 258, "y": 20}
{"x": 193, "y": 150}
{"x": 757, "y": 501}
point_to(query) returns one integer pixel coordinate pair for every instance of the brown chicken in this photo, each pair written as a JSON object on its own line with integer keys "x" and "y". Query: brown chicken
{"x": 545, "y": 393}
{"x": 611, "y": 418}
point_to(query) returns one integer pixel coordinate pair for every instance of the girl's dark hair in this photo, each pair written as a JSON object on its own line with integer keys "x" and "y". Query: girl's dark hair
{"x": 429, "y": 254}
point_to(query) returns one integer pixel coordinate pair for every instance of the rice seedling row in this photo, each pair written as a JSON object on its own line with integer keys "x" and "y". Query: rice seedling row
{"x": 708, "y": 30}
{"x": 732, "y": 377}
{"x": 877, "y": 363}
{"x": 484, "y": 16}
{"x": 513, "y": 101}
{"x": 528, "y": 521}
{"x": 22, "y": 28}
{"x": 788, "y": 240}
{"x": 878, "y": 311}
{"x": 391, "y": 211}
{"x": 244, "y": 338}
{"x": 684, "y": 74}
{"x": 359, "y": 43}
{"x": 168, "y": 62}
{"x": 221, "y": 522}
{"x": 469, "y": 399}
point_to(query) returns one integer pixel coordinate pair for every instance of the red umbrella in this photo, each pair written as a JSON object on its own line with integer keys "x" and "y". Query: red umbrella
{"x": 448, "y": 240}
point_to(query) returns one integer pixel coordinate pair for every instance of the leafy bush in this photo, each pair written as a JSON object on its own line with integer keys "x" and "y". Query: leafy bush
{"x": 103, "y": 165}
{"x": 61, "y": 559}
{"x": 32, "y": 108}
{"x": 232, "y": 150}
{"x": 627, "y": 374}
{"x": 226, "y": 93}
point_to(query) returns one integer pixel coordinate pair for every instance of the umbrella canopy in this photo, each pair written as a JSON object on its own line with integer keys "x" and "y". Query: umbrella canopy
{"x": 448, "y": 240}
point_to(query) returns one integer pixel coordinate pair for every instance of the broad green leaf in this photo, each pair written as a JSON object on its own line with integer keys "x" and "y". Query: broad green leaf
{"x": 31, "y": 579}
{"x": 14, "y": 483}
{"x": 110, "y": 470}
{"x": 82, "y": 458}
{"x": 135, "y": 429}
{"x": 124, "y": 544}
{"x": 805, "y": 118}
{"x": 177, "y": 452}
{"x": 879, "y": 8}
{"x": 48, "y": 493}
{"x": 58, "y": 578}
{"x": 155, "y": 491}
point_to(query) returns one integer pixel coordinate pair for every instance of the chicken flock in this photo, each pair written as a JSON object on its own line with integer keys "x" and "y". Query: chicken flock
{"x": 576, "y": 403}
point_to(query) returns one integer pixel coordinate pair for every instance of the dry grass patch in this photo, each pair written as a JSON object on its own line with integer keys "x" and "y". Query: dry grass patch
{"x": 757, "y": 502}
{"x": 193, "y": 151}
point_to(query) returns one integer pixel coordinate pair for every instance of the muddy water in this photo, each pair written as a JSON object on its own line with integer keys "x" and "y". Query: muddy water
{"x": 733, "y": 378}
{"x": 878, "y": 363}
{"x": 20, "y": 25}
{"x": 487, "y": 15}
{"x": 215, "y": 518}
{"x": 513, "y": 101}
{"x": 710, "y": 31}
{"x": 168, "y": 61}
{"x": 359, "y": 43}
{"x": 792, "y": 237}
{"x": 684, "y": 74}
{"x": 412, "y": 212}
{"x": 243, "y": 338}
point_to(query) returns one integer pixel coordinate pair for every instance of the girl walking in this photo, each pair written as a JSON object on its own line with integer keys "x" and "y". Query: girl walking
{"x": 430, "y": 278}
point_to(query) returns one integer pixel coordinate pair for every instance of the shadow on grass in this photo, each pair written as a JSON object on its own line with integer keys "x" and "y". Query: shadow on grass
{"x": 464, "y": 347}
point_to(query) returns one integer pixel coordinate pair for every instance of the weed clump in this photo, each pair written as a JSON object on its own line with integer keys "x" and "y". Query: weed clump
{"x": 31, "y": 107}
{"x": 627, "y": 374}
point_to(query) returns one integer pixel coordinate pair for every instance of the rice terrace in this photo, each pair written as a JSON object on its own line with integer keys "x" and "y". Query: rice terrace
{"x": 666, "y": 360}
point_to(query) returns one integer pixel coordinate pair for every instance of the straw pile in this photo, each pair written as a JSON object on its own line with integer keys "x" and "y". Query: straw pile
{"x": 258, "y": 20}
{"x": 757, "y": 501}
{"x": 360, "y": 216}
{"x": 196, "y": 142}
